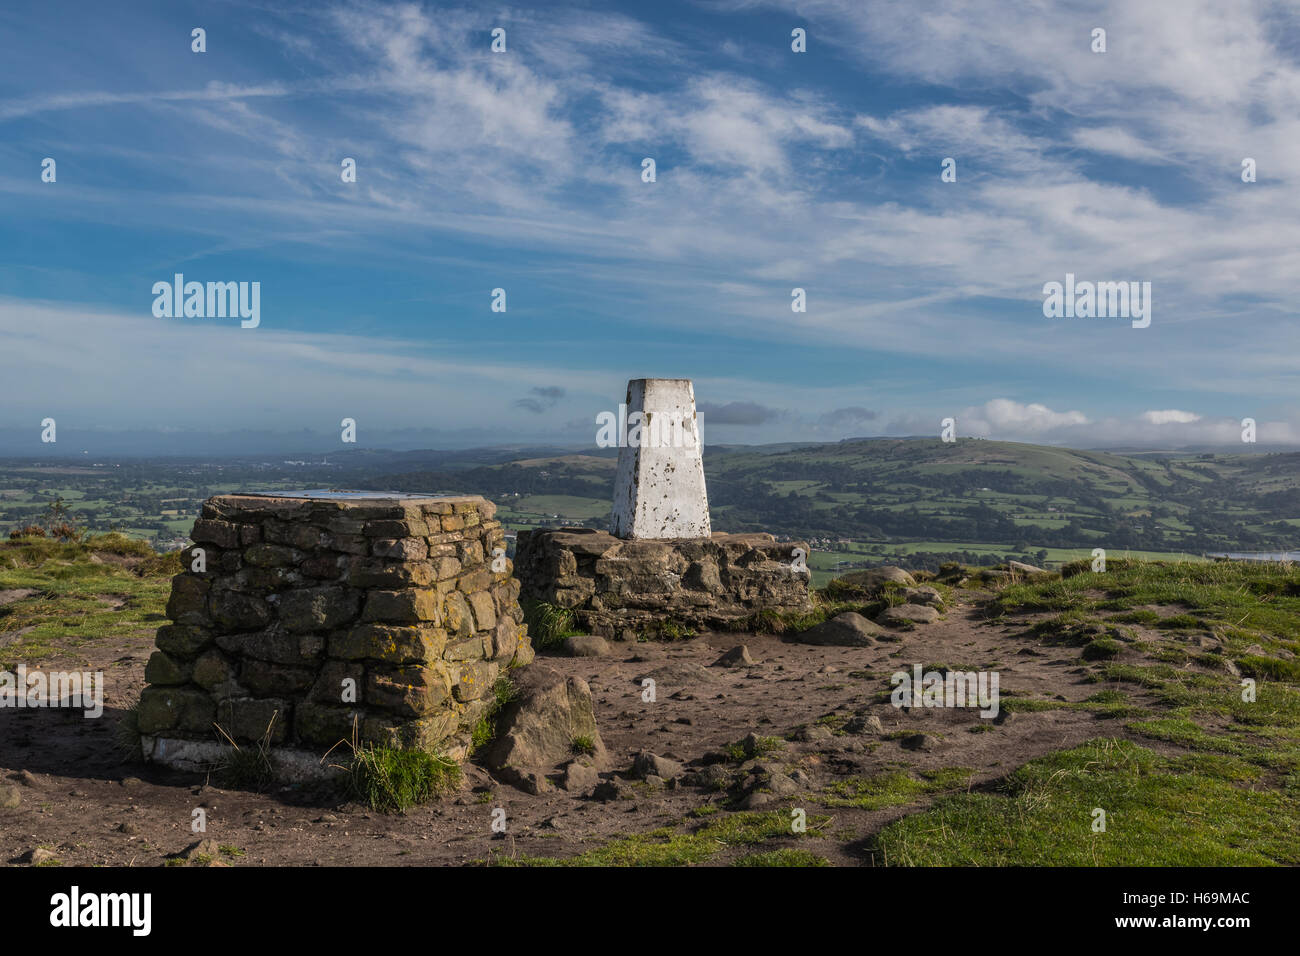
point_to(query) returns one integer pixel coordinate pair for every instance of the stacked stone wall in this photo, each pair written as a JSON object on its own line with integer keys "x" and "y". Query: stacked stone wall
{"x": 313, "y": 621}
{"x": 632, "y": 588}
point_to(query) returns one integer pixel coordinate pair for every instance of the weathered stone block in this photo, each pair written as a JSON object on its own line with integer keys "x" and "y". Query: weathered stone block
{"x": 182, "y": 640}
{"x": 175, "y": 708}
{"x": 456, "y": 615}
{"x": 247, "y": 719}
{"x": 408, "y": 528}
{"x": 212, "y": 670}
{"x": 469, "y": 650}
{"x": 324, "y": 725}
{"x": 420, "y": 733}
{"x": 389, "y": 643}
{"x": 188, "y": 603}
{"x": 237, "y": 611}
{"x": 400, "y": 549}
{"x": 163, "y": 669}
{"x": 341, "y": 524}
{"x": 381, "y": 573}
{"x": 507, "y": 638}
{"x": 330, "y": 567}
{"x": 471, "y": 553}
{"x": 402, "y": 607}
{"x": 406, "y": 690}
{"x": 446, "y": 568}
{"x": 300, "y": 537}
{"x": 318, "y": 609}
{"x": 347, "y": 543}
{"x": 340, "y": 682}
{"x": 473, "y": 679}
{"x": 479, "y": 580}
{"x": 272, "y": 555}
{"x": 275, "y": 644}
{"x": 264, "y": 679}
{"x": 223, "y": 534}
{"x": 266, "y": 579}
{"x": 484, "y": 608}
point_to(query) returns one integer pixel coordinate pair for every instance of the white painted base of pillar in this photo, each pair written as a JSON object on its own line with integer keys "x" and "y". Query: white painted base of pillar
{"x": 659, "y": 486}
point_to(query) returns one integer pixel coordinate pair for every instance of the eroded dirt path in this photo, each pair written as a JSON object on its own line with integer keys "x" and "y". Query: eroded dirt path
{"x": 84, "y": 802}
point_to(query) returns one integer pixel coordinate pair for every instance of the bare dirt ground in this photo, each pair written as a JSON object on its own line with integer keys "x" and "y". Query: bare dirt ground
{"x": 81, "y": 800}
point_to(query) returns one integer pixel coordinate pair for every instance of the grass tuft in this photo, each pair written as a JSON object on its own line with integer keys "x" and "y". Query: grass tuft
{"x": 390, "y": 780}
{"x": 549, "y": 624}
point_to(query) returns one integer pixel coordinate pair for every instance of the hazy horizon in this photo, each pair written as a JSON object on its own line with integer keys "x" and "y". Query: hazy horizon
{"x": 201, "y": 445}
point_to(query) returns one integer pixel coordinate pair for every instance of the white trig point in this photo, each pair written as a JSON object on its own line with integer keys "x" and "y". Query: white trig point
{"x": 659, "y": 487}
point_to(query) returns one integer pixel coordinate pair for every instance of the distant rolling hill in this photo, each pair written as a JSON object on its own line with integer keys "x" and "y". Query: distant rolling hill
{"x": 924, "y": 496}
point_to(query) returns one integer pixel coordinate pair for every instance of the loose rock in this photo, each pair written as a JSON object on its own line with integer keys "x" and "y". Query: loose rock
{"x": 849, "y": 629}
{"x": 579, "y": 776}
{"x": 586, "y": 645}
{"x": 649, "y": 764}
{"x": 864, "y": 724}
{"x": 738, "y": 656}
{"x": 907, "y": 614}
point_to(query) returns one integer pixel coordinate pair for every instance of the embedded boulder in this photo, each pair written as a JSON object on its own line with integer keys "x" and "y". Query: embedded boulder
{"x": 872, "y": 580}
{"x": 550, "y": 718}
{"x": 1028, "y": 570}
{"x": 849, "y": 629}
{"x": 924, "y": 594}
{"x": 906, "y": 614}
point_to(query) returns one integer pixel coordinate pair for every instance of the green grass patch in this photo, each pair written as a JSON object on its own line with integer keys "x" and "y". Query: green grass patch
{"x": 783, "y": 857}
{"x": 1101, "y": 649}
{"x": 748, "y": 749}
{"x": 669, "y": 846}
{"x": 1243, "y": 599}
{"x": 1160, "y": 811}
{"x": 894, "y": 789}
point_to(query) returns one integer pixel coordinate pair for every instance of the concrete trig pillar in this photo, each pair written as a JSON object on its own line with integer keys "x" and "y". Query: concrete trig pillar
{"x": 659, "y": 487}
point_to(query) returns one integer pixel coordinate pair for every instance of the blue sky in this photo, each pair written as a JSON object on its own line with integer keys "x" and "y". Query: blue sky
{"x": 775, "y": 169}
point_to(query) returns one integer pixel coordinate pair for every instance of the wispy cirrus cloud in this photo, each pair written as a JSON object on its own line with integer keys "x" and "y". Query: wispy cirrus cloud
{"x": 775, "y": 170}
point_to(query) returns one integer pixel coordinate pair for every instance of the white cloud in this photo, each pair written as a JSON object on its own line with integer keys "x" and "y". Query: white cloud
{"x": 1170, "y": 415}
{"x": 982, "y": 142}
{"x": 1000, "y": 418}
{"x": 210, "y": 373}
{"x": 1117, "y": 141}
{"x": 1007, "y": 420}
{"x": 725, "y": 121}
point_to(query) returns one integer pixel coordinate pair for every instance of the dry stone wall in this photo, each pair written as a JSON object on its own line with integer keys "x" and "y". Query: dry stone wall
{"x": 629, "y": 588}
{"x": 310, "y": 616}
